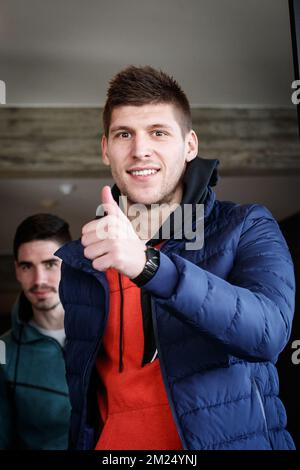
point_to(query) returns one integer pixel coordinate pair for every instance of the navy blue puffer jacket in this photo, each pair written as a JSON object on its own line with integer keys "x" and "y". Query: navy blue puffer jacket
{"x": 221, "y": 316}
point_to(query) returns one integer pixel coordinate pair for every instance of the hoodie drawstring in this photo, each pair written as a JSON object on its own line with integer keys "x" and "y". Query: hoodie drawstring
{"x": 121, "y": 326}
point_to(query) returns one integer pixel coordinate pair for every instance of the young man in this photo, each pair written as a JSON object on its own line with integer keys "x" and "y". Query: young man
{"x": 172, "y": 347}
{"x": 34, "y": 402}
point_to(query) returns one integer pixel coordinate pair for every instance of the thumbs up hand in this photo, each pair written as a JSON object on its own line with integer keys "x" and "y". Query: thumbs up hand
{"x": 111, "y": 242}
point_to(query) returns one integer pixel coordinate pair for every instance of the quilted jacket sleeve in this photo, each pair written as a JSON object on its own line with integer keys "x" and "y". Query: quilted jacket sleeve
{"x": 251, "y": 312}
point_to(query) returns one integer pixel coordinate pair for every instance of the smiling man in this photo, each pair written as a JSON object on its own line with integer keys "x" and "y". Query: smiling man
{"x": 34, "y": 403}
{"x": 172, "y": 347}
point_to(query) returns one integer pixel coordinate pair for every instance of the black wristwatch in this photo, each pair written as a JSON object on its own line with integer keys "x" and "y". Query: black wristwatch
{"x": 150, "y": 268}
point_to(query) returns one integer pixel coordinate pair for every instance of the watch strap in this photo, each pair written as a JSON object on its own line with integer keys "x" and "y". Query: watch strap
{"x": 150, "y": 268}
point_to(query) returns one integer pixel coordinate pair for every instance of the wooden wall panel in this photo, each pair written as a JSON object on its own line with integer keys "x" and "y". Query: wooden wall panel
{"x": 54, "y": 142}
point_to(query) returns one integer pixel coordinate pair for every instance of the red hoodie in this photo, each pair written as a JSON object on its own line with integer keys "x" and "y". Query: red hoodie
{"x": 133, "y": 403}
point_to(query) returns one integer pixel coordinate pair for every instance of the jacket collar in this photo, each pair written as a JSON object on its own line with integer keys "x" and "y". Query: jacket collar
{"x": 72, "y": 254}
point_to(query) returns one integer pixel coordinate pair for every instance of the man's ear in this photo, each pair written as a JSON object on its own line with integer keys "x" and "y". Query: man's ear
{"x": 192, "y": 145}
{"x": 105, "y": 158}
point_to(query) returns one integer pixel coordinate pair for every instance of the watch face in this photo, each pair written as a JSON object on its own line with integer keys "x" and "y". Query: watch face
{"x": 152, "y": 253}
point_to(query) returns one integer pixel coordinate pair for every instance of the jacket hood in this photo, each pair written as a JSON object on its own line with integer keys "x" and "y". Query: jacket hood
{"x": 200, "y": 175}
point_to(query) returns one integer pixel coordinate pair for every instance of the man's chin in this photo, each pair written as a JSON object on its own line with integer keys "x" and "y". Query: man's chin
{"x": 145, "y": 199}
{"x": 45, "y": 304}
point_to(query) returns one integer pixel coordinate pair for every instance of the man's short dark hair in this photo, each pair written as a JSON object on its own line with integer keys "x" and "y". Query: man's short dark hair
{"x": 41, "y": 227}
{"x": 137, "y": 86}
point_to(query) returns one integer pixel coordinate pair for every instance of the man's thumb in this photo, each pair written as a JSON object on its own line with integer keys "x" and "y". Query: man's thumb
{"x": 107, "y": 200}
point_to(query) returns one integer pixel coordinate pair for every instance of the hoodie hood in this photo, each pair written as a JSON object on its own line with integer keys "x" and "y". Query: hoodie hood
{"x": 200, "y": 174}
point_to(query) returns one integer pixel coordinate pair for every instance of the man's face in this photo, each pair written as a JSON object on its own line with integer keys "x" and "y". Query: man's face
{"x": 38, "y": 272}
{"x": 148, "y": 153}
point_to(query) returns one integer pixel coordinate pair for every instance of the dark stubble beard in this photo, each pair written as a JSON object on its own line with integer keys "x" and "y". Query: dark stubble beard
{"x": 167, "y": 198}
{"x": 45, "y": 308}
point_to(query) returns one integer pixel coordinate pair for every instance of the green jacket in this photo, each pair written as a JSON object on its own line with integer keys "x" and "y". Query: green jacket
{"x": 34, "y": 400}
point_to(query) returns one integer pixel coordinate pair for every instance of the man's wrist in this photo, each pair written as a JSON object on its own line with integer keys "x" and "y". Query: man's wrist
{"x": 150, "y": 268}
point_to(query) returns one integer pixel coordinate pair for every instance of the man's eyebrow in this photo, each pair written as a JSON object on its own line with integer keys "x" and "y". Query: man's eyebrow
{"x": 150, "y": 126}
{"x": 50, "y": 260}
{"x": 118, "y": 128}
{"x": 45, "y": 261}
{"x": 164, "y": 126}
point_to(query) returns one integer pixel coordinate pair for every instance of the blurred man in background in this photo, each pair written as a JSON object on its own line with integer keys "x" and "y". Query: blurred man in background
{"x": 34, "y": 401}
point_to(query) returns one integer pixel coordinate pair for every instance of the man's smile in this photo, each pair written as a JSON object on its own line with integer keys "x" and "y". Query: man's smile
{"x": 142, "y": 174}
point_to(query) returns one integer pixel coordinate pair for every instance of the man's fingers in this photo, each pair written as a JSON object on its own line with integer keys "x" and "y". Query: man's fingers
{"x": 96, "y": 250}
{"x": 90, "y": 226}
{"x": 89, "y": 238}
{"x": 109, "y": 227}
{"x": 103, "y": 263}
{"x": 101, "y": 226}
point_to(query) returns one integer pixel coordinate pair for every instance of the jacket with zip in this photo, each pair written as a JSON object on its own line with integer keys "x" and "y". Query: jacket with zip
{"x": 34, "y": 400}
{"x": 221, "y": 315}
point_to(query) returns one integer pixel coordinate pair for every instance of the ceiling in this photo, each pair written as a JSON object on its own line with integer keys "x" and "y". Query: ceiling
{"x": 223, "y": 52}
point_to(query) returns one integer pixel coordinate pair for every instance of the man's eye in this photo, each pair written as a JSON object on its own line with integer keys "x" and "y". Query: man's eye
{"x": 123, "y": 135}
{"x": 159, "y": 133}
{"x": 50, "y": 265}
{"x": 24, "y": 267}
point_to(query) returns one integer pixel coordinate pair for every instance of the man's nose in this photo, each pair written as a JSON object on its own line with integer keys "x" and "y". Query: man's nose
{"x": 141, "y": 147}
{"x": 40, "y": 276}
